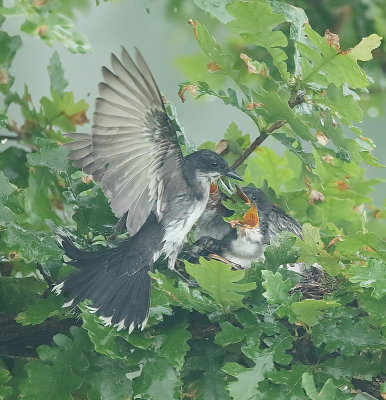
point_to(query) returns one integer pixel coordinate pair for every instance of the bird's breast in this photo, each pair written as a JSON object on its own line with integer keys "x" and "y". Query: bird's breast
{"x": 247, "y": 247}
{"x": 179, "y": 220}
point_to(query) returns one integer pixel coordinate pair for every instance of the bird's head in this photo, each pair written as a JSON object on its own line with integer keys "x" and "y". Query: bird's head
{"x": 208, "y": 163}
{"x": 257, "y": 197}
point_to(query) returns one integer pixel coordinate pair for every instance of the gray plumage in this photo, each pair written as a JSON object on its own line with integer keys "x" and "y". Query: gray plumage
{"x": 133, "y": 149}
{"x": 241, "y": 245}
{"x": 133, "y": 153}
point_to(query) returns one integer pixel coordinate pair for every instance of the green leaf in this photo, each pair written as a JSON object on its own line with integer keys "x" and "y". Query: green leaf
{"x": 229, "y": 334}
{"x": 211, "y": 386}
{"x": 5, "y": 391}
{"x": 50, "y": 155}
{"x": 109, "y": 382}
{"x": 294, "y": 146}
{"x": 290, "y": 381}
{"x": 374, "y": 275}
{"x": 31, "y": 246}
{"x": 373, "y": 306}
{"x": 328, "y": 391}
{"x": 326, "y": 64}
{"x": 266, "y": 165}
{"x": 255, "y": 22}
{"x": 368, "y": 244}
{"x": 362, "y": 51}
{"x": 6, "y": 190}
{"x": 281, "y": 252}
{"x": 298, "y": 18}
{"x": 61, "y": 108}
{"x": 107, "y": 340}
{"x": 212, "y": 49}
{"x": 182, "y": 296}
{"x": 208, "y": 381}
{"x": 277, "y": 293}
{"x": 215, "y": 8}
{"x": 246, "y": 385}
{"x": 344, "y": 368}
{"x": 342, "y": 103}
{"x": 18, "y": 293}
{"x": 56, "y": 74}
{"x": 172, "y": 341}
{"x": 63, "y": 360}
{"x": 237, "y": 205}
{"x": 51, "y": 24}
{"x": 92, "y": 211}
{"x": 219, "y": 280}
{"x": 3, "y": 120}
{"x": 158, "y": 380}
{"x": 279, "y": 345}
{"x": 311, "y": 251}
{"x": 9, "y": 46}
{"x": 382, "y": 388}
{"x": 70, "y": 365}
{"x": 276, "y": 290}
{"x": 337, "y": 334}
{"x": 40, "y": 311}
{"x": 275, "y": 108}
{"x": 309, "y": 310}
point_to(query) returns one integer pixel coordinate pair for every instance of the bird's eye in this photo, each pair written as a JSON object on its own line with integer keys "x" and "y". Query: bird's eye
{"x": 214, "y": 163}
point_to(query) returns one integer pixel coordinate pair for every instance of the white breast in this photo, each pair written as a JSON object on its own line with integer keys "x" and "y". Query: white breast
{"x": 247, "y": 247}
{"x": 177, "y": 230}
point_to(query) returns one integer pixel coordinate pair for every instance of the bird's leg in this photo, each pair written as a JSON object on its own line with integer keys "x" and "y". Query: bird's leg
{"x": 225, "y": 261}
{"x": 190, "y": 283}
{"x": 203, "y": 247}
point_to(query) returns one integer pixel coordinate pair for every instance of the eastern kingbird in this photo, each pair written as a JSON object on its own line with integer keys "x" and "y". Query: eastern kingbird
{"x": 133, "y": 153}
{"x": 245, "y": 242}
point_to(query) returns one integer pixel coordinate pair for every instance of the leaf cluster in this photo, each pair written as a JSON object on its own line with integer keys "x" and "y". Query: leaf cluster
{"x": 242, "y": 334}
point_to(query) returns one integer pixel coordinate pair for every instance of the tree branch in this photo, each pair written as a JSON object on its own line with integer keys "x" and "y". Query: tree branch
{"x": 21, "y": 341}
{"x": 292, "y": 102}
{"x": 257, "y": 142}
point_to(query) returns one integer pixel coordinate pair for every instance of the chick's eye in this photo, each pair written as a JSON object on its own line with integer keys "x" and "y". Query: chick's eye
{"x": 214, "y": 163}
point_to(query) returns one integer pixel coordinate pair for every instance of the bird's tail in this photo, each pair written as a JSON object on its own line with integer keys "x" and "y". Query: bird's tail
{"x": 115, "y": 280}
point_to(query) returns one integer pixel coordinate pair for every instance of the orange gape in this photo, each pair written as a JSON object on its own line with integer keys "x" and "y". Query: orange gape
{"x": 213, "y": 188}
{"x": 251, "y": 217}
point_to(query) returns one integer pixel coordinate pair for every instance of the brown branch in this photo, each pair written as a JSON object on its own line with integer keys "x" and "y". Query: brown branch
{"x": 257, "y": 142}
{"x": 292, "y": 102}
{"x": 21, "y": 341}
{"x": 45, "y": 276}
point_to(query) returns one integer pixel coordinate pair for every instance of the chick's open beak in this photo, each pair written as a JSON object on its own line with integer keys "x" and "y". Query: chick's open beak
{"x": 233, "y": 175}
{"x": 251, "y": 217}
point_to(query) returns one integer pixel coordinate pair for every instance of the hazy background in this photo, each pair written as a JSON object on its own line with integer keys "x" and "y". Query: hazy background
{"x": 161, "y": 39}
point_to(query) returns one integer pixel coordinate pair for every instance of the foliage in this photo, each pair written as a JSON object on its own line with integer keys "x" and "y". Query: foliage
{"x": 240, "y": 334}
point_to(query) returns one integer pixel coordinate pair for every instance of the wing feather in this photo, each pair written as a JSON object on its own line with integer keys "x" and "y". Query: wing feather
{"x": 133, "y": 145}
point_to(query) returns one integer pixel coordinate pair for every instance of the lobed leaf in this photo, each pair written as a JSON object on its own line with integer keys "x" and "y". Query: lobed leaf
{"x": 256, "y": 22}
{"x": 220, "y": 282}
{"x": 374, "y": 275}
{"x": 309, "y": 310}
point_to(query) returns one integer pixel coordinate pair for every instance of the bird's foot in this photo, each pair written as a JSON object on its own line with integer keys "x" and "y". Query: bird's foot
{"x": 190, "y": 283}
{"x": 225, "y": 261}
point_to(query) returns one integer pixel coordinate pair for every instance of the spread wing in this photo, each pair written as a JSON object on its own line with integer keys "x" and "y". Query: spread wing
{"x": 133, "y": 149}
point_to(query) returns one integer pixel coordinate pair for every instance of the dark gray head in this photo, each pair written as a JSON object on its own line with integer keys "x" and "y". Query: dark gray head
{"x": 258, "y": 197}
{"x": 209, "y": 163}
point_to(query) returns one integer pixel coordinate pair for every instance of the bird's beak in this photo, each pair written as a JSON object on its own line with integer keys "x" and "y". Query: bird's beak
{"x": 233, "y": 175}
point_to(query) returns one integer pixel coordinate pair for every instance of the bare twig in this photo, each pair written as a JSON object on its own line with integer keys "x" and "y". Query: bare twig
{"x": 46, "y": 276}
{"x": 298, "y": 99}
{"x": 257, "y": 142}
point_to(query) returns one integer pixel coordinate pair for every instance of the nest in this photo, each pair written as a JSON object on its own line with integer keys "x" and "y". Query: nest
{"x": 315, "y": 284}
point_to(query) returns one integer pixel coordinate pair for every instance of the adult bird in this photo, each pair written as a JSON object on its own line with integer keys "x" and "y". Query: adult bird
{"x": 244, "y": 242}
{"x": 133, "y": 153}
